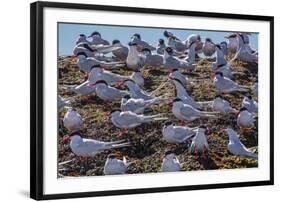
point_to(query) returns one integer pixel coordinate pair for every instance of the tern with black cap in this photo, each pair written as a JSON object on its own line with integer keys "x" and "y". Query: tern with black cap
{"x": 170, "y": 162}
{"x": 236, "y": 147}
{"x": 128, "y": 119}
{"x": 185, "y": 112}
{"x": 106, "y": 92}
{"x": 136, "y": 38}
{"x": 199, "y": 142}
{"x": 177, "y": 134}
{"x": 114, "y": 166}
{"x": 226, "y": 85}
{"x": 122, "y": 52}
{"x": 72, "y": 120}
{"x": 250, "y": 104}
{"x": 97, "y": 39}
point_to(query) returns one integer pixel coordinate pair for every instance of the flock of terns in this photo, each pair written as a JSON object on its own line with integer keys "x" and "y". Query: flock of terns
{"x": 176, "y": 56}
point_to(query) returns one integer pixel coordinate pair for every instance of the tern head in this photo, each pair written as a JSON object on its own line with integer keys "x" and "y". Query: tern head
{"x": 223, "y": 43}
{"x": 132, "y": 44}
{"x": 220, "y": 74}
{"x": 146, "y": 51}
{"x": 202, "y": 128}
{"x": 81, "y": 54}
{"x": 174, "y": 70}
{"x": 169, "y": 154}
{"x": 99, "y": 82}
{"x": 111, "y": 156}
{"x": 166, "y": 33}
{"x": 127, "y": 97}
{"x": 208, "y": 40}
{"x": 218, "y": 46}
{"x": 169, "y": 35}
{"x": 249, "y": 97}
{"x": 168, "y": 123}
{"x": 115, "y": 41}
{"x": 94, "y": 34}
{"x": 72, "y": 112}
{"x": 136, "y": 35}
{"x": 85, "y": 45}
{"x": 115, "y": 112}
{"x": 169, "y": 50}
{"x": 74, "y": 136}
{"x": 82, "y": 35}
{"x": 243, "y": 109}
{"x": 193, "y": 38}
{"x": 177, "y": 100}
{"x": 161, "y": 41}
{"x": 218, "y": 96}
{"x": 231, "y": 36}
{"x": 96, "y": 66}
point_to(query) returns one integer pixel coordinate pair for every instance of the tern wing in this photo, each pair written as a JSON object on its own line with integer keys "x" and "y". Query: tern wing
{"x": 129, "y": 119}
{"x": 230, "y": 85}
{"x": 172, "y": 62}
{"x": 189, "y": 111}
{"x": 145, "y": 45}
{"x": 237, "y": 148}
{"x": 89, "y": 147}
{"x": 182, "y": 134}
{"x": 114, "y": 77}
{"x": 113, "y": 93}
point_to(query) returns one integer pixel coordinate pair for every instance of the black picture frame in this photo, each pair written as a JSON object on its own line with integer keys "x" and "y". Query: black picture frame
{"x": 36, "y": 103}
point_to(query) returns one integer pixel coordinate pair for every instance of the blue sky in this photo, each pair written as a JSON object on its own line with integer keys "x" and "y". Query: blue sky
{"x": 68, "y": 34}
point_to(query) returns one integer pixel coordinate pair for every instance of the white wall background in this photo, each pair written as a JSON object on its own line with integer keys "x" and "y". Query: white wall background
{"x": 14, "y": 110}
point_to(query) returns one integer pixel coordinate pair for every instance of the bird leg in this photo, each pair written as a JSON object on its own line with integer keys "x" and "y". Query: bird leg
{"x": 196, "y": 156}
{"x": 245, "y": 131}
{"x": 107, "y": 106}
{"x": 83, "y": 160}
{"x": 182, "y": 123}
{"x": 189, "y": 71}
{"x": 107, "y": 116}
{"x": 237, "y": 159}
{"x": 204, "y": 153}
{"x": 123, "y": 132}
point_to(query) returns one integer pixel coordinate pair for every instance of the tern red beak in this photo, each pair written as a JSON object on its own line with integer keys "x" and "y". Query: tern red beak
{"x": 66, "y": 139}
{"x": 92, "y": 85}
{"x": 170, "y": 103}
{"x": 102, "y": 66}
{"x": 120, "y": 84}
{"x": 75, "y": 58}
{"x": 107, "y": 116}
{"x": 208, "y": 131}
{"x": 170, "y": 77}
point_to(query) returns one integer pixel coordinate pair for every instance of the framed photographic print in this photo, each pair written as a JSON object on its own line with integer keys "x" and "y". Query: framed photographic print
{"x": 135, "y": 100}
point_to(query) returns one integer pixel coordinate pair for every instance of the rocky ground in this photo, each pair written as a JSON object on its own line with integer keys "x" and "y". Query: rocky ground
{"x": 147, "y": 143}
